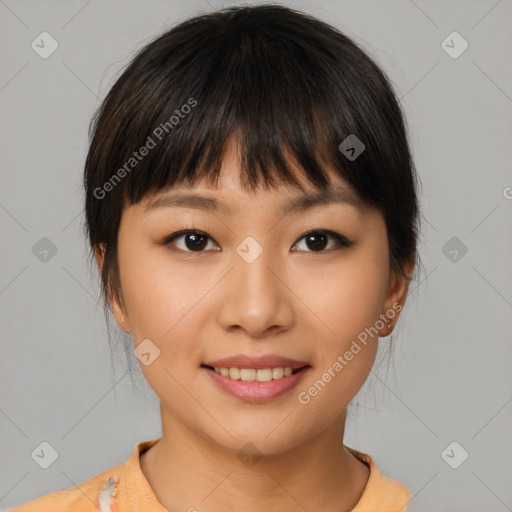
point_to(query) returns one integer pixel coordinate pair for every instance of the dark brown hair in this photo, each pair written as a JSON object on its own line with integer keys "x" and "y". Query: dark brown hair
{"x": 285, "y": 84}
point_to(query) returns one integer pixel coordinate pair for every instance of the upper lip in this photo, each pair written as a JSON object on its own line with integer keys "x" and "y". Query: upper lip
{"x": 265, "y": 361}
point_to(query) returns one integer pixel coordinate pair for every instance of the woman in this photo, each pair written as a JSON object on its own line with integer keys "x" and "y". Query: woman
{"x": 251, "y": 205}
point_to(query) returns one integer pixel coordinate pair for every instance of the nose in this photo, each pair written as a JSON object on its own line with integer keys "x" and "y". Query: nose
{"x": 255, "y": 298}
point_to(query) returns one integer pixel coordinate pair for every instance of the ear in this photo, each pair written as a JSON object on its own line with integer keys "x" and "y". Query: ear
{"x": 117, "y": 309}
{"x": 395, "y": 299}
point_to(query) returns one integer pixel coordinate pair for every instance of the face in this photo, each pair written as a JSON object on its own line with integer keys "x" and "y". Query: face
{"x": 253, "y": 279}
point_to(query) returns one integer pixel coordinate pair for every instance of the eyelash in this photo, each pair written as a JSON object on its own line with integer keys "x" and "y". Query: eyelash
{"x": 343, "y": 242}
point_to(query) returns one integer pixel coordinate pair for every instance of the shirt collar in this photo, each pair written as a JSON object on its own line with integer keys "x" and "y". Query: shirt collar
{"x": 135, "y": 493}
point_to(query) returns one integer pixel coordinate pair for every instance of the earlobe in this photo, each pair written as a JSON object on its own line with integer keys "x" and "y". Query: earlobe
{"x": 117, "y": 310}
{"x": 397, "y": 295}
{"x": 119, "y": 316}
{"x": 99, "y": 252}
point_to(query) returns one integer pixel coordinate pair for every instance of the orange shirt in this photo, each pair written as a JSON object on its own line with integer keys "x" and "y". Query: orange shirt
{"x": 124, "y": 488}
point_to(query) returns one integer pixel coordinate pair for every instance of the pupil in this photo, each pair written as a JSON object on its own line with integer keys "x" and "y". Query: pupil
{"x": 316, "y": 245}
{"x": 198, "y": 241}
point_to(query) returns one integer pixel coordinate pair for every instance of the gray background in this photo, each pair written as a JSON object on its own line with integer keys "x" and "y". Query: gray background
{"x": 450, "y": 379}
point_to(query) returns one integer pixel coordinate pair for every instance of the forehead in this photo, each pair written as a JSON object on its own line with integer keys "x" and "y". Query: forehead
{"x": 230, "y": 199}
{"x": 224, "y": 196}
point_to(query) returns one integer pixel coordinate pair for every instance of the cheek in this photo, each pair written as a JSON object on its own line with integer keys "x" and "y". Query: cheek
{"x": 160, "y": 303}
{"x": 344, "y": 298}
{"x": 344, "y": 304}
{"x": 156, "y": 296}
{"x": 164, "y": 302}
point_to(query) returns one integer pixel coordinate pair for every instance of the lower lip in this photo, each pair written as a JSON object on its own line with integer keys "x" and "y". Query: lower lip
{"x": 254, "y": 391}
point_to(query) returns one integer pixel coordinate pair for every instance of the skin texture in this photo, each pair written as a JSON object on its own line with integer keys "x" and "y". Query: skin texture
{"x": 293, "y": 300}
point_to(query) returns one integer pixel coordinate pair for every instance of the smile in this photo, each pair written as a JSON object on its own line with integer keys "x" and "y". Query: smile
{"x": 258, "y": 374}
{"x": 256, "y": 384}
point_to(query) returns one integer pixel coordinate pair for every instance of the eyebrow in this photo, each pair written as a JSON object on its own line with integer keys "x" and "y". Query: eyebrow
{"x": 300, "y": 203}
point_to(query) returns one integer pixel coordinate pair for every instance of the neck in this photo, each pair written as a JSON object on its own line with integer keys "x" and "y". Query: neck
{"x": 186, "y": 470}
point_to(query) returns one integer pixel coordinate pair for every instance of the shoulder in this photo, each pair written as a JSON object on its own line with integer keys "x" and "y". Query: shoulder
{"x": 83, "y": 497}
{"x": 381, "y": 493}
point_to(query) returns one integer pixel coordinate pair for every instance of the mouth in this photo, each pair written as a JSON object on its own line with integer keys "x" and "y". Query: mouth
{"x": 256, "y": 384}
{"x": 255, "y": 374}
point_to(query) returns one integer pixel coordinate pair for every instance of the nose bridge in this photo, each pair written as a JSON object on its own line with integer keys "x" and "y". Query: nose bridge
{"x": 255, "y": 298}
{"x": 253, "y": 264}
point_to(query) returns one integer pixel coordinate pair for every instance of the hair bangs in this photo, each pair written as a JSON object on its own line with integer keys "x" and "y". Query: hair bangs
{"x": 250, "y": 94}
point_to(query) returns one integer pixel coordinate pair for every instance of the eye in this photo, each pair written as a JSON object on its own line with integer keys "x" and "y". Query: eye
{"x": 193, "y": 240}
{"x": 318, "y": 240}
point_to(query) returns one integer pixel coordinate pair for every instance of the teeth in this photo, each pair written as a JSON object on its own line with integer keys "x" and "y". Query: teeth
{"x": 277, "y": 373}
{"x": 252, "y": 374}
{"x": 234, "y": 373}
